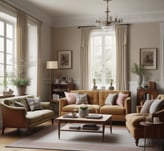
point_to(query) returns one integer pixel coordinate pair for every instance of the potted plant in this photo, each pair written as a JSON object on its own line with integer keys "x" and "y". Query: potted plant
{"x": 21, "y": 84}
{"x": 83, "y": 110}
{"x": 139, "y": 71}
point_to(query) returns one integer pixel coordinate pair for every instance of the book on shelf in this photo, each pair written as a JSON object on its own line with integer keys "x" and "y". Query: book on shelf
{"x": 90, "y": 126}
{"x": 94, "y": 116}
{"x": 75, "y": 126}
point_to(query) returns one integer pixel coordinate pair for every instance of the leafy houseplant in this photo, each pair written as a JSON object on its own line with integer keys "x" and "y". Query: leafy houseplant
{"x": 21, "y": 84}
{"x": 83, "y": 110}
{"x": 139, "y": 71}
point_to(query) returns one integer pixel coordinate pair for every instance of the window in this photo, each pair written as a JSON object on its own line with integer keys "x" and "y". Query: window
{"x": 32, "y": 55}
{"x": 102, "y": 58}
{"x": 7, "y": 50}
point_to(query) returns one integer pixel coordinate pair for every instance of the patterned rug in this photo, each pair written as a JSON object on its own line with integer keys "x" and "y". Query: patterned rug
{"x": 47, "y": 138}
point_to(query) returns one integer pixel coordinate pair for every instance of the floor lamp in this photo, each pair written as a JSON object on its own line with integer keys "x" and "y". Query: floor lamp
{"x": 51, "y": 65}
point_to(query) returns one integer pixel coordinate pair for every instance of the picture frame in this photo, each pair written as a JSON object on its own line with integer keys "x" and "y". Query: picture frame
{"x": 148, "y": 58}
{"x": 65, "y": 59}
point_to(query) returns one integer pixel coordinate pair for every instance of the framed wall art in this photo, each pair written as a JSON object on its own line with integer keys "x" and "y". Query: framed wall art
{"x": 148, "y": 58}
{"x": 65, "y": 59}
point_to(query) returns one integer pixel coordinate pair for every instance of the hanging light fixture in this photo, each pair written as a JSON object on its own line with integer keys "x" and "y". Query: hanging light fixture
{"x": 109, "y": 21}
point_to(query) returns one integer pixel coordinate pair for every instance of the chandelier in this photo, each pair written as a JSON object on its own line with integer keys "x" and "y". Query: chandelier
{"x": 109, "y": 21}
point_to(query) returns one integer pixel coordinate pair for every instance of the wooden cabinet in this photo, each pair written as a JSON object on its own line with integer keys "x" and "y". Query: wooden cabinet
{"x": 60, "y": 88}
{"x": 144, "y": 94}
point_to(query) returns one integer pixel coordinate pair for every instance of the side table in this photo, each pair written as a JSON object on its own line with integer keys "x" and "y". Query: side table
{"x": 54, "y": 104}
{"x": 153, "y": 125}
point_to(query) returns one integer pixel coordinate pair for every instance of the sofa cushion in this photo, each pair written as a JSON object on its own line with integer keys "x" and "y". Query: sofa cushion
{"x": 111, "y": 98}
{"x": 38, "y": 115}
{"x": 156, "y": 105}
{"x": 121, "y": 98}
{"x": 81, "y": 98}
{"x": 75, "y": 107}
{"x": 146, "y": 106}
{"x": 71, "y": 97}
{"x": 34, "y": 103}
{"x": 112, "y": 109}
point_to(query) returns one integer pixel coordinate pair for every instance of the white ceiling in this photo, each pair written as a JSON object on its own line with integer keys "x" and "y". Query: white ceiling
{"x": 86, "y": 11}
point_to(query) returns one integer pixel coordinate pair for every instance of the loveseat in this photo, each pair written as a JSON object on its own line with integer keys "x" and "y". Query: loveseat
{"x": 97, "y": 102}
{"x": 24, "y": 112}
{"x": 149, "y": 110}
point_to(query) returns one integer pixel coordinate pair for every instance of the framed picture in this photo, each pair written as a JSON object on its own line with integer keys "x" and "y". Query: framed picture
{"x": 148, "y": 58}
{"x": 65, "y": 59}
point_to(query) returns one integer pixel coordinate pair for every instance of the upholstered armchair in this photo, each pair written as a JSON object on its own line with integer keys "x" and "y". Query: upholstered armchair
{"x": 151, "y": 108}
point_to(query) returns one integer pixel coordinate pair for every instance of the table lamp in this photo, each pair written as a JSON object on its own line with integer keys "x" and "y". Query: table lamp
{"x": 51, "y": 65}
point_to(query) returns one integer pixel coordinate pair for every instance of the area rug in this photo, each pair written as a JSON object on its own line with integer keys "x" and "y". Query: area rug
{"x": 47, "y": 138}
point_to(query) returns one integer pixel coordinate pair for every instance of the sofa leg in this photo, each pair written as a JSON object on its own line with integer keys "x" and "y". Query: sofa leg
{"x": 52, "y": 121}
{"x": 136, "y": 141}
{"x": 3, "y": 130}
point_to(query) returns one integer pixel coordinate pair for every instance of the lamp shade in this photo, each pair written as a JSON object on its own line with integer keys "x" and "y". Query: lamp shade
{"x": 52, "y": 65}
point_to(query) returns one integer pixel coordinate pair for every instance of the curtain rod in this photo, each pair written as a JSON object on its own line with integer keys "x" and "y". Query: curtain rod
{"x": 18, "y": 9}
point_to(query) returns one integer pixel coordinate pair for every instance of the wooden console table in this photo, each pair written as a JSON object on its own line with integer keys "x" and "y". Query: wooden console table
{"x": 144, "y": 94}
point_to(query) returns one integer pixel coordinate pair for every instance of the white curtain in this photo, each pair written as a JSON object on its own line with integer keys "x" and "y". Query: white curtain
{"x": 121, "y": 57}
{"x": 85, "y": 33}
{"x": 21, "y": 42}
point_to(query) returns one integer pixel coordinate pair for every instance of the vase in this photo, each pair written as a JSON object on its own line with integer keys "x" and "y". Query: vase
{"x": 83, "y": 113}
{"x": 21, "y": 90}
{"x": 139, "y": 80}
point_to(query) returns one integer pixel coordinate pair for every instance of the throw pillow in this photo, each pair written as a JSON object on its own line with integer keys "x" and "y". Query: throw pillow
{"x": 111, "y": 99}
{"x": 81, "y": 99}
{"x": 156, "y": 105}
{"x": 34, "y": 103}
{"x": 18, "y": 104}
{"x": 71, "y": 97}
{"x": 121, "y": 98}
{"x": 146, "y": 106}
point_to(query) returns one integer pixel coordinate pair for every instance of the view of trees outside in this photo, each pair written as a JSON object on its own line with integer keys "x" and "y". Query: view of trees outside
{"x": 103, "y": 56}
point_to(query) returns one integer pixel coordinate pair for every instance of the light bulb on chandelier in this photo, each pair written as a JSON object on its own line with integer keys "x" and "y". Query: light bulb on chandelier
{"x": 109, "y": 21}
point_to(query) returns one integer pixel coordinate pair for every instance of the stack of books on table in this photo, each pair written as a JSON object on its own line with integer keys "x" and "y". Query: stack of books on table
{"x": 94, "y": 116}
{"x": 90, "y": 126}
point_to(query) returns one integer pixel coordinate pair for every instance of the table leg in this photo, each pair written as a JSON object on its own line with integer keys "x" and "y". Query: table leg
{"x": 103, "y": 132}
{"x": 144, "y": 138}
{"x": 58, "y": 129}
{"x": 110, "y": 122}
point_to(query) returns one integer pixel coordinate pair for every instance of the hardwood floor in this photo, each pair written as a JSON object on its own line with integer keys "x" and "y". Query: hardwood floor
{"x": 11, "y": 135}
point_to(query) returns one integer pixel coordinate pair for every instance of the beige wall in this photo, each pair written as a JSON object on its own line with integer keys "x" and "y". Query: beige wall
{"x": 145, "y": 35}
{"x": 68, "y": 39}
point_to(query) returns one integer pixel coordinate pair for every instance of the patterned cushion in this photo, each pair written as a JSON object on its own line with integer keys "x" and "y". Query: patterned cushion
{"x": 18, "y": 104}
{"x": 111, "y": 99}
{"x": 34, "y": 103}
{"x": 71, "y": 97}
{"x": 81, "y": 99}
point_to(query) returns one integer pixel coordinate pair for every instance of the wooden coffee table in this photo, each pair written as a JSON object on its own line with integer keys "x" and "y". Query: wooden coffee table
{"x": 102, "y": 122}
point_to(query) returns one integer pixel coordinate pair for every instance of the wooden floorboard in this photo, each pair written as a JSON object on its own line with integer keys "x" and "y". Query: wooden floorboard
{"x": 12, "y": 135}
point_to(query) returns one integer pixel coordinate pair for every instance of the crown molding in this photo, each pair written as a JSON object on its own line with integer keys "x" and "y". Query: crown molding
{"x": 91, "y": 20}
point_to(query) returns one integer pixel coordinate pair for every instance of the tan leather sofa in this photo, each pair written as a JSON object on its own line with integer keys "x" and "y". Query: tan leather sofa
{"x": 96, "y": 103}
{"x": 137, "y": 131}
{"x": 21, "y": 117}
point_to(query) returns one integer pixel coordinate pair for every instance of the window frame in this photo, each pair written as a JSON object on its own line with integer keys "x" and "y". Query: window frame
{"x": 102, "y": 34}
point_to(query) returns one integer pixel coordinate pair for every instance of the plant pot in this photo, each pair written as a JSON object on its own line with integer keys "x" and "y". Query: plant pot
{"x": 21, "y": 90}
{"x": 83, "y": 113}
